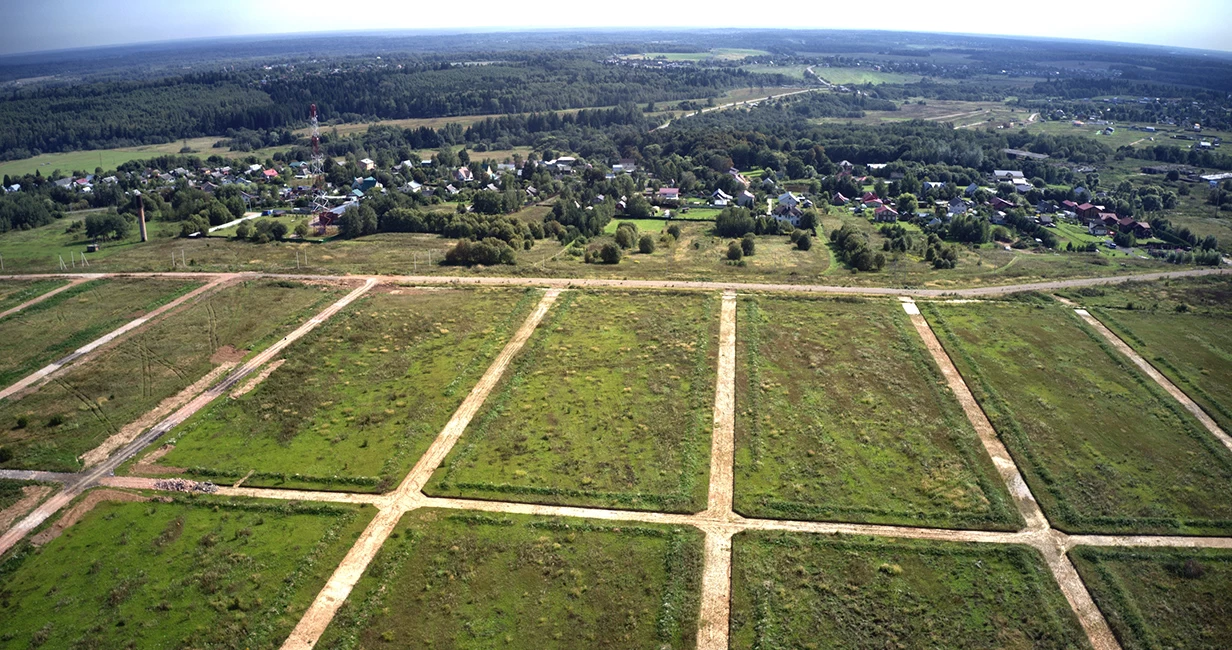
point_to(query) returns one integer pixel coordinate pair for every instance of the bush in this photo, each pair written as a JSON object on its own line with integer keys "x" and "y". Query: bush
{"x": 734, "y": 252}
{"x": 610, "y": 253}
{"x": 804, "y": 242}
{"x": 23, "y": 422}
{"x": 748, "y": 244}
{"x": 646, "y": 245}
{"x": 626, "y": 235}
{"x": 489, "y": 252}
{"x": 5, "y": 455}
{"x": 674, "y": 231}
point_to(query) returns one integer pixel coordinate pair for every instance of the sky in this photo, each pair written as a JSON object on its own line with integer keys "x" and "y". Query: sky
{"x": 62, "y": 24}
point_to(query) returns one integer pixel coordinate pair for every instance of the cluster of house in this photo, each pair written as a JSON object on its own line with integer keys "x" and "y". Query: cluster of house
{"x": 207, "y": 179}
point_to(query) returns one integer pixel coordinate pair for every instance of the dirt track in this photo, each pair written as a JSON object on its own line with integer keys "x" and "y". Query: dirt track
{"x": 34, "y": 301}
{"x": 718, "y": 521}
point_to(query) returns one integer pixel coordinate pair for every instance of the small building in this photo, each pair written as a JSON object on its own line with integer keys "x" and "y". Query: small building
{"x": 367, "y": 164}
{"x": 886, "y": 214}
{"x": 463, "y": 175}
{"x": 839, "y": 199}
{"x": 746, "y": 199}
{"x": 668, "y": 194}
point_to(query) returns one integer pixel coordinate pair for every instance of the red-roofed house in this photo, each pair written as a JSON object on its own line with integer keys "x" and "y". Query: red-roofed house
{"x": 270, "y": 173}
{"x": 668, "y": 194}
{"x": 1142, "y": 230}
{"x": 999, "y": 203}
{"x": 1086, "y": 210}
{"x": 1109, "y": 219}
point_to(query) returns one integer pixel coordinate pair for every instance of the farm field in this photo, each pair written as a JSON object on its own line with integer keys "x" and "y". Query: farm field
{"x": 16, "y": 292}
{"x": 610, "y": 404}
{"x": 191, "y": 572}
{"x": 1161, "y": 598}
{"x": 357, "y": 402}
{"x": 1101, "y": 446}
{"x": 102, "y": 397}
{"x": 48, "y": 330}
{"x": 1194, "y": 351}
{"x": 956, "y": 112}
{"x": 841, "y": 415}
{"x": 87, "y": 160}
{"x": 801, "y": 591}
{"x": 456, "y": 580}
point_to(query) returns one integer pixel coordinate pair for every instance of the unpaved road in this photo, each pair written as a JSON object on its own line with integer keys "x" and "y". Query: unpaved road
{"x": 43, "y": 375}
{"x": 41, "y": 298}
{"x": 723, "y": 442}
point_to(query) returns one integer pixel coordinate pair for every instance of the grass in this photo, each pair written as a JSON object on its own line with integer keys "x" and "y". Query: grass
{"x": 861, "y": 76}
{"x": 88, "y": 403}
{"x": 651, "y": 227}
{"x": 192, "y": 572}
{"x": 1209, "y": 295}
{"x": 11, "y": 492}
{"x": 1161, "y": 598}
{"x": 815, "y": 591}
{"x": 469, "y": 581}
{"x": 72, "y": 318}
{"x": 841, "y": 415}
{"x": 16, "y": 292}
{"x": 362, "y": 397}
{"x": 1102, "y": 447}
{"x": 608, "y": 405}
{"x": 39, "y": 250}
{"x": 109, "y": 159}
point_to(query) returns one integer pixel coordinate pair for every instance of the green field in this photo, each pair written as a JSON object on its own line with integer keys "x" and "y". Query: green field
{"x": 11, "y": 492}
{"x": 48, "y": 330}
{"x": 16, "y": 292}
{"x": 360, "y": 399}
{"x": 718, "y": 53}
{"x": 815, "y": 591}
{"x": 609, "y": 404}
{"x": 470, "y": 581}
{"x": 109, "y": 159}
{"x": 192, "y": 573}
{"x": 1192, "y": 350}
{"x": 841, "y": 415}
{"x": 651, "y": 227}
{"x": 39, "y": 250}
{"x": 92, "y": 401}
{"x": 1161, "y": 598}
{"x": 861, "y": 76}
{"x": 1209, "y": 295}
{"x": 1102, "y": 447}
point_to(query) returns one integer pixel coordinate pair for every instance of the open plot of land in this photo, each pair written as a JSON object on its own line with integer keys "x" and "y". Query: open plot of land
{"x": 39, "y": 250}
{"x": 1161, "y": 598}
{"x": 200, "y": 572}
{"x": 609, "y": 404}
{"x": 1192, "y": 350}
{"x": 1209, "y": 295}
{"x": 861, "y": 76}
{"x": 99, "y": 398}
{"x": 801, "y": 591}
{"x": 362, "y": 397}
{"x": 87, "y": 160}
{"x": 48, "y": 330}
{"x": 453, "y": 580}
{"x": 16, "y": 292}
{"x": 1103, "y": 448}
{"x": 841, "y": 415}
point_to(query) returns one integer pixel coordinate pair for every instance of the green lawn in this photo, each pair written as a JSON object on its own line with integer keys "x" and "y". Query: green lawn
{"x": 861, "y": 76}
{"x": 841, "y": 415}
{"x": 48, "y": 330}
{"x": 1102, "y": 447}
{"x": 89, "y": 402}
{"x": 109, "y": 159}
{"x": 192, "y": 573}
{"x": 470, "y": 581}
{"x": 15, "y": 292}
{"x": 817, "y": 591}
{"x": 644, "y": 226}
{"x": 609, "y": 404}
{"x": 1192, "y": 350}
{"x": 360, "y": 399}
{"x": 39, "y": 250}
{"x": 1161, "y": 598}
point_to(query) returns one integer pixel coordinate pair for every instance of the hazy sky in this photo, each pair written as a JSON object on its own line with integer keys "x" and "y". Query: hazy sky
{"x": 35, "y": 25}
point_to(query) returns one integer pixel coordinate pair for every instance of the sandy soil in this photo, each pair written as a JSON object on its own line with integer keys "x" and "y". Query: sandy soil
{"x": 723, "y": 442}
{"x": 31, "y": 495}
{"x": 228, "y": 354}
{"x": 148, "y": 464}
{"x": 128, "y": 432}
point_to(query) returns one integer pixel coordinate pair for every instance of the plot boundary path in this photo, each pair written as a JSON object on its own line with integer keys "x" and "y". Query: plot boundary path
{"x": 40, "y": 298}
{"x": 44, "y": 374}
{"x": 718, "y": 522}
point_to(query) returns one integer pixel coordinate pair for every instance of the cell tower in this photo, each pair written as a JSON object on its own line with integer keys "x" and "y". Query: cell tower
{"x": 317, "y": 167}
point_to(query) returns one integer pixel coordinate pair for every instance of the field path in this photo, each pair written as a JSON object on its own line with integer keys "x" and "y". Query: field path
{"x": 90, "y": 478}
{"x": 1154, "y": 374}
{"x": 407, "y": 496}
{"x": 34, "y": 301}
{"x": 43, "y": 375}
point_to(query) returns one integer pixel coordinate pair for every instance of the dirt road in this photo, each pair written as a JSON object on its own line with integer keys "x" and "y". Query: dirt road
{"x": 45, "y": 296}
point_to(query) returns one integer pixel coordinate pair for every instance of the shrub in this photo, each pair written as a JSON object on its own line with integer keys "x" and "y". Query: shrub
{"x": 646, "y": 244}
{"x": 489, "y": 252}
{"x": 674, "y": 231}
{"x": 6, "y": 454}
{"x": 734, "y": 252}
{"x": 610, "y": 254}
{"x": 626, "y": 235}
{"x": 23, "y": 422}
{"x": 804, "y": 242}
{"x": 748, "y": 244}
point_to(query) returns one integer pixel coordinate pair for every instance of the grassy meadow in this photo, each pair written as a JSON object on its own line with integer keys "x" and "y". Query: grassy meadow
{"x": 469, "y": 581}
{"x": 360, "y": 399}
{"x": 841, "y": 415}
{"x": 189, "y": 573}
{"x": 48, "y": 330}
{"x": 90, "y": 402}
{"x": 609, "y": 404}
{"x": 817, "y": 591}
{"x": 1161, "y": 598}
{"x": 1102, "y": 447}
{"x": 16, "y": 292}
